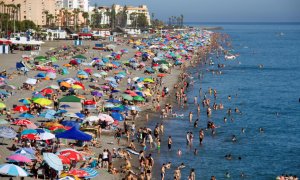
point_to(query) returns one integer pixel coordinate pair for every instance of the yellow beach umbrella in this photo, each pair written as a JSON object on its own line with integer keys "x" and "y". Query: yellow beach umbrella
{"x": 2, "y": 105}
{"x": 148, "y": 80}
{"x": 76, "y": 86}
{"x": 43, "y": 101}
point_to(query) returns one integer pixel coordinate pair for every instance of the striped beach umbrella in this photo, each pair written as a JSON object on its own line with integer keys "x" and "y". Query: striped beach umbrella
{"x": 12, "y": 170}
{"x": 92, "y": 173}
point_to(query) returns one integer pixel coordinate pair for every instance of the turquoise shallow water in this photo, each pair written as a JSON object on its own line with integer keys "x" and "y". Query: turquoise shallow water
{"x": 260, "y": 94}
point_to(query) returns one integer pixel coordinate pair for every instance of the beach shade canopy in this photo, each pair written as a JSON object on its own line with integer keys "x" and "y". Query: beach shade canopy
{"x": 21, "y": 108}
{"x": 79, "y": 57}
{"x": 75, "y": 134}
{"x": 70, "y": 99}
{"x": 12, "y": 170}
{"x": 92, "y": 173}
{"x": 7, "y": 132}
{"x": 19, "y": 158}
{"x": 53, "y": 161}
{"x": 71, "y": 154}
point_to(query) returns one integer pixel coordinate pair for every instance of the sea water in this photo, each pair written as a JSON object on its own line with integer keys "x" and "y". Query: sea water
{"x": 268, "y": 98}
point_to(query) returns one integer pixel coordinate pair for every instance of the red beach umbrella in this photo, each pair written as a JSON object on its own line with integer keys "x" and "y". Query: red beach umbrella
{"x": 22, "y": 122}
{"x": 161, "y": 75}
{"x": 31, "y": 137}
{"x": 47, "y": 91}
{"x": 89, "y": 102}
{"x": 71, "y": 154}
{"x": 64, "y": 159}
{"x": 21, "y": 108}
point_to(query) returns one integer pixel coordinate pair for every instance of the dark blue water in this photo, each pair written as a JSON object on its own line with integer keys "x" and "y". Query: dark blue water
{"x": 260, "y": 94}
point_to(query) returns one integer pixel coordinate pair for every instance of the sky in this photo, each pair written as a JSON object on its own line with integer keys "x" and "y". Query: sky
{"x": 218, "y": 10}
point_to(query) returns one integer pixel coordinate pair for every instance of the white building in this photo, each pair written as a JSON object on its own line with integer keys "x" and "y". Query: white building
{"x": 83, "y": 5}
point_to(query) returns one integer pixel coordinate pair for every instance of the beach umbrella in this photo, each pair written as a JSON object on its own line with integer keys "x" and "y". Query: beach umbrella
{"x": 109, "y": 105}
{"x": 92, "y": 173}
{"x": 103, "y": 73}
{"x": 46, "y": 136}
{"x": 97, "y": 75}
{"x": 134, "y": 108}
{"x": 54, "y": 87}
{"x": 2, "y": 105}
{"x": 70, "y": 123}
{"x": 97, "y": 93}
{"x": 25, "y": 101}
{"x": 53, "y": 59}
{"x": 91, "y": 118}
{"x": 149, "y": 80}
{"x": 28, "y": 131}
{"x": 40, "y": 58}
{"x": 66, "y": 176}
{"x": 47, "y": 91}
{"x": 19, "y": 158}
{"x": 7, "y": 87}
{"x": 78, "y": 172}
{"x": 117, "y": 116}
{"x": 89, "y": 102}
{"x": 43, "y": 101}
{"x": 79, "y": 57}
{"x": 26, "y": 115}
{"x": 161, "y": 75}
{"x": 127, "y": 97}
{"x": 106, "y": 117}
{"x": 138, "y": 98}
{"x": 3, "y": 121}
{"x": 77, "y": 86}
{"x": 41, "y": 75}
{"x": 65, "y": 84}
{"x": 115, "y": 101}
{"x": 65, "y": 106}
{"x": 51, "y": 75}
{"x": 12, "y": 170}
{"x": 30, "y": 137}
{"x": 22, "y": 122}
{"x": 88, "y": 70}
{"x": 53, "y": 161}
{"x": 25, "y": 151}
{"x": 31, "y": 81}
{"x": 71, "y": 154}
{"x": 64, "y": 159}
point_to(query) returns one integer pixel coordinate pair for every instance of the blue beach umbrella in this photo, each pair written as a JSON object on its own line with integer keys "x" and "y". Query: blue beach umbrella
{"x": 7, "y": 132}
{"x": 70, "y": 123}
{"x": 26, "y": 115}
{"x": 28, "y": 131}
{"x": 12, "y": 170}
{"x": 53, "y": 161}
{"x": 117, "y": 116}
{"x": 25, "y": 150}
{"x": 115, "y": 101}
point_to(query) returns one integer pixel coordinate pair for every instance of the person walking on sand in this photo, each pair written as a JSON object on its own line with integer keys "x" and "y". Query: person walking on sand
{"x": 169, "y": 143}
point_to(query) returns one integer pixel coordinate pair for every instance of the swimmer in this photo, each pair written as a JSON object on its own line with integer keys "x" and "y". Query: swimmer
{"x": 240, "y": 158}
{"x": 196, "y": 123}
{"x": 261, "y": 130}
{"x": 243, "y": 130}
{"x": 233, "y": 139}
{"x": 227, "y": 175}
{"x": 179, "y": 152}
{"x": 195, "y": 152}
{"x": 229, "y": 97}
{"x": 225, "y": 119}
{"x": 228, "y": 156}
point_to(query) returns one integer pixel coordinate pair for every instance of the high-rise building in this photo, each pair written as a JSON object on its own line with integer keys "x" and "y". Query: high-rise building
{"x": 34, "y": 10}
{"x": 83, "y": 5}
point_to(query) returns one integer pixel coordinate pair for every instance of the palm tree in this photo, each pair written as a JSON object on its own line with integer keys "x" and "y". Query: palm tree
{"x": 85, "y": 15}
{"x": 1, "y": 15}
{"x": 46, "y": 13}
{"x": 181, "y": 17}
{"x": 50, "y": 18}
{"x": 76, "y": 12}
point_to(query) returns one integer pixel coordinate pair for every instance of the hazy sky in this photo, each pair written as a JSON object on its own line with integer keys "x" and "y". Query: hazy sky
{"x": 219, "y": 10}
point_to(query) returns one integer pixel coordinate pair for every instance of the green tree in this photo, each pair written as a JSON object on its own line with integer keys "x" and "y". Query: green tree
{"x": 86, "y": 16}
{"x": 113, "y": 17}
{"x": 142, "y": 21}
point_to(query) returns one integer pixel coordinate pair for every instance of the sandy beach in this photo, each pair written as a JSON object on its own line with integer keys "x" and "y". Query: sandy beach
{"x": 8, "y": 63}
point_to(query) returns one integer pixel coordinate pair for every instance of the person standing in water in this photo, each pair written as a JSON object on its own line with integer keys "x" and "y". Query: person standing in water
{"x": 170, "y": 143}
{"x": 191, "y": 116}
{"x": 192, "y": 175}
{"x": 201, "y": 136}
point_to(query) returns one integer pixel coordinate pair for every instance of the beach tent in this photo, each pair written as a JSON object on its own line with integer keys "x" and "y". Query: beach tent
{"x": 72, "y": 104}
{"x": 75, "y": 134}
